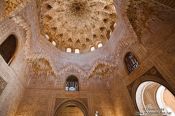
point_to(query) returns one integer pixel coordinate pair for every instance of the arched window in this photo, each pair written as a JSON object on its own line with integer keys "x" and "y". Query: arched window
{"x": 8, "y": 48}
{"x": 77, "y": 51}
{"x": 54, "y": 43}
{"x": 69, "y": 50}
{"x": 92, "y": 49}
{"x": 131, "y": 62}
{"x": 72, "y": 83}
{"x": 100, "y": 45}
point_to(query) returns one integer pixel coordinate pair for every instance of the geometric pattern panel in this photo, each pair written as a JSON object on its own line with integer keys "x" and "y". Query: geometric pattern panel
{"x": 3, "y": 84}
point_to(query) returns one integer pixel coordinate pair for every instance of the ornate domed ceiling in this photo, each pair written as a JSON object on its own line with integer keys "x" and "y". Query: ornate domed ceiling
{"x": 77, "y": 24}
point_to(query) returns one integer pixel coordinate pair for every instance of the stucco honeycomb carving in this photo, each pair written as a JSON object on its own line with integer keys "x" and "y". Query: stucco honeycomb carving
{"x": 77, "y": 24}
{"x": 11, "y": 7}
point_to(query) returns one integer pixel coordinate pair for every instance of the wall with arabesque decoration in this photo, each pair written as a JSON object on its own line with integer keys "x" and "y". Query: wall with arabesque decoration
{"x": 150, "y": 39}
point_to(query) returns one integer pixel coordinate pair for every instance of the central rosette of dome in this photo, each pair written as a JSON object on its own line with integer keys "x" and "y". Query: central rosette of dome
{"x": 77, "y": 8}
{"x": 77, "y": 24}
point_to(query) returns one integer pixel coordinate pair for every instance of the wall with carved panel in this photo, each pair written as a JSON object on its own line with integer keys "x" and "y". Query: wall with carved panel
{"x": 36, "y": 78}
{"x": 44, "y": 100}
{"x": 13, "y": 74}
{"x": 152, "y": 48}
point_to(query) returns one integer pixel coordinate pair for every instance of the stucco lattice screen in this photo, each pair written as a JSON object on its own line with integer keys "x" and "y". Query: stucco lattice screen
{"x": 3, "y": 84}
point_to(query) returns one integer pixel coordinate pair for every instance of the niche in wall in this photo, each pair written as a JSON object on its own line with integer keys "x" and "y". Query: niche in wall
{"x": 152, "y": 75}
{"x": 3, "y": 84}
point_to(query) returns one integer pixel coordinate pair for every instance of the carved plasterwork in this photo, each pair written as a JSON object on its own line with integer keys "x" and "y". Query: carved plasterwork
{"x": 77, "y": 24}
{"x": 99, "y": 69}
{"x": 139, "y": 12}
{"x": 143, "y": 14}
{"x": 2, "y": 85}
{"x": 72, "y": 69}
{"x": 102, "y": 71}
{"x": 20, "y": 21}
{"x": 40, "y": 67}
{"x": 11, "y": 7}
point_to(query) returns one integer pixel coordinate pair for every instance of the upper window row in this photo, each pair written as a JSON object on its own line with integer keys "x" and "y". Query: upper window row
{"x": 8, "y": 48}
{"x": 69, "y": 50}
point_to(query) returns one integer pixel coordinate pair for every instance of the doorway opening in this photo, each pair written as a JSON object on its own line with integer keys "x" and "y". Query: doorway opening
{"x": 71, "y": 108}
{"x": 70, "y": 111}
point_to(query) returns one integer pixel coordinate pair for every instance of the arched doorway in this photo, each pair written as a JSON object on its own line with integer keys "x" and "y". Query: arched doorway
{"x": 8, "y": 48}
{"x": 70, "y": 111}
{"x": 71, "y": 108}
{"x": 154, "y": 98}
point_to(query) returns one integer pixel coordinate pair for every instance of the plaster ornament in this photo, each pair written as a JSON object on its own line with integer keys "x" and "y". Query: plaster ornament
{"x": 77, "y": 24}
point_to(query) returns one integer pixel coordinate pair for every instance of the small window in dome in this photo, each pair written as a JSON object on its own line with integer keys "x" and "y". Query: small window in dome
{"x": 92, "y": 48}
{"x": 114, "y": 24}
{"x": 54, "y": 43}
{"x": 47, "y": 36}
{"x": 100, "y": 45}
{"x": 77, "y": 51}
{"x": 69, "y": 50}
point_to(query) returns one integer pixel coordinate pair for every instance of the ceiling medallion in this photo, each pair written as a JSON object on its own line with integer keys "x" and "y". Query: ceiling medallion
{"x": 78, "y": 9}
{"x": 78, "y": 25}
